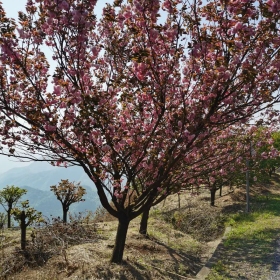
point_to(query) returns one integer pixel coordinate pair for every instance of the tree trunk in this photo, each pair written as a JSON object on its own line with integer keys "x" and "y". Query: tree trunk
{"x": 9, "y": 217}
{"x": 23, "y": 230}
{"x": 65, "y": 211}
{"x": 247, "y": 187}
{"x": 271, "y": 171}
{"x": 120, "y": 238}
{"x": 23, "y": 237}
{"x": 221, "y": 190}
{"x": 213, "y": 192}
{"x": 144, "y": 222}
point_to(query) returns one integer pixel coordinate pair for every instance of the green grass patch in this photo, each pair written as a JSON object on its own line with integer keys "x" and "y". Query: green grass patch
{"x": 258, "y": 227}
{"x": 218, "y": 272}
{"x": 251, "y": 237}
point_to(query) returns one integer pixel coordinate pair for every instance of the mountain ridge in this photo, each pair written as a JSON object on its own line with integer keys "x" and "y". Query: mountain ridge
{"x": 37, "y": 181}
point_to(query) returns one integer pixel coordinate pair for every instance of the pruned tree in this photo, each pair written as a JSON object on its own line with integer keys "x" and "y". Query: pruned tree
{"x": 135, "y": 95}
{"x": 26, "y": 216}
{"x": 68, "y": 193}
{"x": 9, "y": 197}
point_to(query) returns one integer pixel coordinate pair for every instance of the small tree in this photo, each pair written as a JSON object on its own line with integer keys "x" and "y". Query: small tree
{"x": 9, "y": 197}
{"x": 68, "y": 193}
{"x": 26, "y": 216}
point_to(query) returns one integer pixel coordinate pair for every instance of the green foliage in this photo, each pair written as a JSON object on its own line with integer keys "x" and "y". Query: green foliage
{"x": 26, "y": 215}
{"x": 10, "y": 195}
{"x": 217, "y": 272}
{"x": 270, "y": 165}
{"x": 262, "y": 161}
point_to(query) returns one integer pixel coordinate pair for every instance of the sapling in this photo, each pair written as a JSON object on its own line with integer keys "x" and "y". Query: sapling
{"x": 26, "y": 216}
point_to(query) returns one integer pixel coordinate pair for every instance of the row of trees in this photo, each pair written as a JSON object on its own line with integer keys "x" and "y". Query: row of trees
{"x": 143, "y": 98}
{"x": 254, "y": 152}
{"x": 70, "y": 192}
{"x": 261, "y": 163}
{"x": 66, "y": 192}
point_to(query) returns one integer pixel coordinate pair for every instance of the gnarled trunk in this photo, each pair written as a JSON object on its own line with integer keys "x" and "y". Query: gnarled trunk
{"x": 120, "y": 238}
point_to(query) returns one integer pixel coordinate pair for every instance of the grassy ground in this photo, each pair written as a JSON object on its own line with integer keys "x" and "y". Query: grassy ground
{"x": 247, "y": 252}
{"x": 180, "y": 242}
{"x": 159, "y": 257}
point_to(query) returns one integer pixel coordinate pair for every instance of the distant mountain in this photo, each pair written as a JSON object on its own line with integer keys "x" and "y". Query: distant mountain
{"x": 47, "y": 203}
{"x": 41, "y": 175}
{"x": 37, "y": 178}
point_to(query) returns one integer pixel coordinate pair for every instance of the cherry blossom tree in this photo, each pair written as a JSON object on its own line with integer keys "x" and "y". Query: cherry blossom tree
{"x": 250, "y": 148}
{"x": 268, "y": 165}
{"x": 135, "y": 95}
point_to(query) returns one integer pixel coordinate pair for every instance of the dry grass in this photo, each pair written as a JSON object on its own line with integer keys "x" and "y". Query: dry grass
{"x": 179, "y": 244}
{"x": 156, "y": 257}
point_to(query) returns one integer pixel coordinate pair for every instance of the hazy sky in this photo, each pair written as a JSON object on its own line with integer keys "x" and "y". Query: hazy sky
{"x": 12, "y": 7}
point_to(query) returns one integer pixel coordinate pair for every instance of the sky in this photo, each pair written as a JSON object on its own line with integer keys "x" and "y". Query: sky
{"x": 12, "y": 7}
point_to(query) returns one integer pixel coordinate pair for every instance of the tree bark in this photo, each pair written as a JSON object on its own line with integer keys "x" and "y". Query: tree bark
{"x": 212, "y": 201}
{"x": 144, "y": 222}
{"x": 117, "y": 255}
{"x": 9, "y": 217}
{"x": 23, "y": 230}
{"x": 65, "y": 211}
